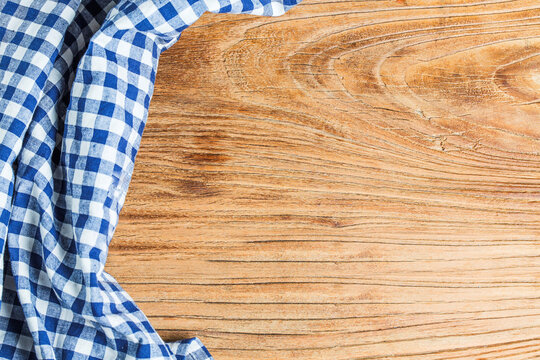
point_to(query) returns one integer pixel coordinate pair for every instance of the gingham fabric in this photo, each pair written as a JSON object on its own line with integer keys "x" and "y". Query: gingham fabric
{"x": 76, "y": 78}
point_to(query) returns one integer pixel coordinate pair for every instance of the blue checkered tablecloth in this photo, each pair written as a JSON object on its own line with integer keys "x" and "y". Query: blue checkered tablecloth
{"x": 76, "y": 78}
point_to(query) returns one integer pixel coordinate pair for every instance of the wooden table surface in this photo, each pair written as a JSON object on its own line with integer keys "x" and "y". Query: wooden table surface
{"x": 352, "y": 180}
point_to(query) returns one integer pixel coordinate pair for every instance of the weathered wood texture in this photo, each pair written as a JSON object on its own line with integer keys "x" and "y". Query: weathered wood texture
{"x": 353, "y": 180}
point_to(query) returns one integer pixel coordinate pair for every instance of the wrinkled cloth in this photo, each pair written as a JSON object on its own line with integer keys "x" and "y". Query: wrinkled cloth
{"x": 76, "y": 79}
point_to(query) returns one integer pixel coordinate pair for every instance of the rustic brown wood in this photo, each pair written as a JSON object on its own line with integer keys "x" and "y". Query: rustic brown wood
{"x": 353, "y": 180}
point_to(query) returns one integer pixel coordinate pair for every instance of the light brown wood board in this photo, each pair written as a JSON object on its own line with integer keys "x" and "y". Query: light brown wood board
{"x": 352, "y": 180}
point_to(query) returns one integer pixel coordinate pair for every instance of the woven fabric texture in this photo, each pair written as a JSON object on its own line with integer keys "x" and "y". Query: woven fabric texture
{"x": 76, "y": 79}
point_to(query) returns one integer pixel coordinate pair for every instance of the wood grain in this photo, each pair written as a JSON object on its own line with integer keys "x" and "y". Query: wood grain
{"x": 353, "y": 180}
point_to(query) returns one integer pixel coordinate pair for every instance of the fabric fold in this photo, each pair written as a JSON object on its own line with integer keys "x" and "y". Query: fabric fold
{"x": 73, "y": 113}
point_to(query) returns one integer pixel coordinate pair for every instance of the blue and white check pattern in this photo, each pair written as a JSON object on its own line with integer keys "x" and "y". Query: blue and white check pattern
{"x": 76, "y": 78}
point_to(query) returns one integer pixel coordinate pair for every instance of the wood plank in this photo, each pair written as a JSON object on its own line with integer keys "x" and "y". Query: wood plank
{"x": 352, "y": 180}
